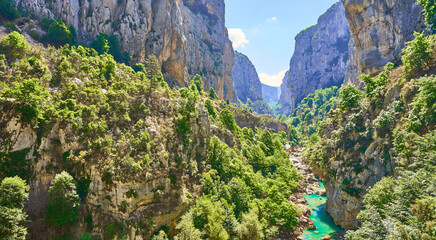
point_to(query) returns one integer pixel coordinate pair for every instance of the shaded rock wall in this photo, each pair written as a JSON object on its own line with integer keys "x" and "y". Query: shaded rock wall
{"x": 245, "y": 79}
{"x": 320, "y": 58}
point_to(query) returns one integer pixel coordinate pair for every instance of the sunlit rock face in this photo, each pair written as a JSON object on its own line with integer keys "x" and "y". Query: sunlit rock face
{"x": 380, "y": 30}
{"x": 320, "y": 58}
{"x": 188, "y": 36}
{"x": 245, "y": 79}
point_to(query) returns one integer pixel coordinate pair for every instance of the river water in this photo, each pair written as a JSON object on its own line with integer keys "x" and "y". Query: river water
{"x": 321, "y": 218}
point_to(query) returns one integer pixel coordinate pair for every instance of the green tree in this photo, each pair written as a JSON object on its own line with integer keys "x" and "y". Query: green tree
{"x": 210, "y": 108}
{"x": 209, "y": 216}
{"x": 429, "y": 13}
{"x": 13, "y": 195}
{"x": 349, "y": 97}
{"x": 8, "y": 10}
{"x": 153, "y": 68}
{"x": 212, "y": 93}
{"x": 58, "y": 34}
{"x": 198, "y": 82}
{"x": 101, "y": 44}
{"x": 62, "y": 210}
{"x": 250, "y": 227}
{"x": 417, "y": 55}
{"x": 160, "y": 236}
{"x": 14, "y": 46}
{"x": 29, "y": 95}
{"x": 228, "y": 119}
{"x": 186, "y": 229}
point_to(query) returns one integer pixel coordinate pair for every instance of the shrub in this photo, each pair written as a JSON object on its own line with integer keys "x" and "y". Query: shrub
{"x": 349, "y": 97}
{"x": 196, "y": 80}
{"x": 417, "y": 55}
{"x": 8, "y": 10}
{"x": 210, "y": 108}
{"x": 11, "y": 27}
{"x": 14, "y": 46}
{"x": 429, "y": 13}
{"x": 58, "y": 34}
{"x": 212, "y": 93}
{"x": 228, "y": 119}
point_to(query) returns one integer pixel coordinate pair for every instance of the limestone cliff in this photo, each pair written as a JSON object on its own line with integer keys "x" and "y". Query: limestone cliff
{"x": 245, "y": 79}
{"x": 270, "y": 93}
{"x": 381, "y": 29}
{"x": 320, "y": 58}
{"x": 189, "y": 36}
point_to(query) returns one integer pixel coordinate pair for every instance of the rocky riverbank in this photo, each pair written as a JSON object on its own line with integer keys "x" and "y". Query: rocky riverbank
{"x": 308, "y": 186}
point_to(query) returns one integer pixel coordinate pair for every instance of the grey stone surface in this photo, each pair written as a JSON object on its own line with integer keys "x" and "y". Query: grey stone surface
{"x": 380, "y": 30}
{"x": 320, "y": 58}
{"x": 188, "y": 36}
{"x": 245, "y": 79}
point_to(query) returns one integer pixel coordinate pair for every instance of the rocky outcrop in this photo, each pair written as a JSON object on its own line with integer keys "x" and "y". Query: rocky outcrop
{"x": 320, "y": 58}
{"x": 188, "y": 36}
{"x": 245, "y": 79}
{"x": 381, "y": 29}
{"x": 270, "y": 93}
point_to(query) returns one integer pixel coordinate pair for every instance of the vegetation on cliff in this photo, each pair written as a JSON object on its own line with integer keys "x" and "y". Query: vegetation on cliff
{"x": 111, "y": 115}
{"x": 392, "y": 120}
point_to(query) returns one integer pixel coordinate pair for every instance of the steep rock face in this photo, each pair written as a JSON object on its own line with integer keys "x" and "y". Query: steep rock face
{"x": 245, "y": 79}
{"x": 381, "y": 29}
{"x": 351, "y": 71}
{"x": 188, "y": 36}
{"x": 270, "y": 93}
{"x": 320, "y": 57}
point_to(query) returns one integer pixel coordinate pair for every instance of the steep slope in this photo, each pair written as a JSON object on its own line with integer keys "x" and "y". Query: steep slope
{"x": 386, "y": 130}
{"x": 188, "y": 36}
{"x": 320, "y": 58}
{"x": 270, "y": 93}
{"x": 245, "y": 79}
{"x": 381, "y": 29}
{"x": 141, "y": 154}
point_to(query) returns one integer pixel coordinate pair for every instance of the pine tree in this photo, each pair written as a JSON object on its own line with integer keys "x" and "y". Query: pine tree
{"x": 62, "y": 210}
{"x": 153, "y": 72}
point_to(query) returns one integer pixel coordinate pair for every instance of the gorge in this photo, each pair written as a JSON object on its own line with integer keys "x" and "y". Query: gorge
{"x": 182, "y": 140}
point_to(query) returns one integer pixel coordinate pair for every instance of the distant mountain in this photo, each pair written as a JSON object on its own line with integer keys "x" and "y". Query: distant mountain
{"x": 270, "y": 93}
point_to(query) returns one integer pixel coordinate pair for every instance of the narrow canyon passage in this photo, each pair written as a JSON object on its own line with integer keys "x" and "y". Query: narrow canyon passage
{"x": 321, "y": 225}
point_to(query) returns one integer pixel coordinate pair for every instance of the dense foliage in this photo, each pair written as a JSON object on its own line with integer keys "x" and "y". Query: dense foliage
{"x": 130, "y": 127}
{"x": 62, "y": 210}
{"x": 8, "y": 11}
{"x": 13, "y": 195}
{"x": 429, "y": 13}
{"x": 243, "y": 200}
{"x": 395, "y": 113}
{"x": 304, "y": 122}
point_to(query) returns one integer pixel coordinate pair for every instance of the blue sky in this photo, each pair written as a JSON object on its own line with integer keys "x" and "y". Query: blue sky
{"x": 264, "y": 30}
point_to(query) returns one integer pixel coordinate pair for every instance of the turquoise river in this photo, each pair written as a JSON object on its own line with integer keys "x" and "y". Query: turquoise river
{"x": 321, "y": 218}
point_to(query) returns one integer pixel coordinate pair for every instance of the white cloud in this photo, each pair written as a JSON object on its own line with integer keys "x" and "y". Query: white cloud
{"x": 238, "y": 37}
{"x": 272, "y": 19}
{"x": 272, "y": 80}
